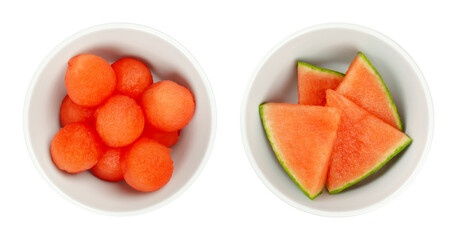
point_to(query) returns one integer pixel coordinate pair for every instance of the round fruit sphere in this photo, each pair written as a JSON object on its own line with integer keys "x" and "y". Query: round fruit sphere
{"x": 72, "y": 112}
{"x": 167, "y": 139}
{"x": 147, "y": 165}
{"x": 168, "y": 106}
{"x": 76, "y": 148}
{"x": 89, "y": 80}
{"x": 108, "y": 167}
{"x": 133, "y": 77}
{"x": 120, "y": 121}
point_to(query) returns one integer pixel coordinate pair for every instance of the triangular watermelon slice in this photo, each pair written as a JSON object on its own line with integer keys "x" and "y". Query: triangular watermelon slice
{"x": 364, "y": 86}
{"x": 302, "y": 138}
{"x": 363, "y": 145}
{"x": 313, "y": 81}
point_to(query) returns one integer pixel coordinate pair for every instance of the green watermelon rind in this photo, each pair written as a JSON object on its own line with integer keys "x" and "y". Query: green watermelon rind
{"x": 396, "y": 151}
{"x": 276, "y": 151}
{"x": 315, "y": 68}
{"x": 386, "y": 90}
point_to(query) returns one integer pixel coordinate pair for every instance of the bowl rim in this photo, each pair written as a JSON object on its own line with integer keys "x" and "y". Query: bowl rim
{"x": 141, "y": 28}
{"x": 422, "y": 81}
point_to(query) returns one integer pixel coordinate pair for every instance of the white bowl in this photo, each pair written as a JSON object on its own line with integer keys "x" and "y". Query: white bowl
{"x": 167, "y": 59}
{"x": 334, "y": 46}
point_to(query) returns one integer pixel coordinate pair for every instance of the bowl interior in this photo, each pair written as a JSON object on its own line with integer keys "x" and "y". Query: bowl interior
{"x": 334, "y": 46}
{"x": 167, "y": 60}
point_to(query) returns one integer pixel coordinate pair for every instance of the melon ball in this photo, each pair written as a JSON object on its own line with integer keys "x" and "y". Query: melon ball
{"x": 89, "y": 80}
{"x": 167, "y": 139}
{"x": 108, "y": 167}
{"x": 72, "y": 112}
{"x": 133, "y": 77}
{"x": 76, "y": 148}
{"x": 119, "y": 121}
{"x": 147, "y": 165}
{"x": 168, "y": 106}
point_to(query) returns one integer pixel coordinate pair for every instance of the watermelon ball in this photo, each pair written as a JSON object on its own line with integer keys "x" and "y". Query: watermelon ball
{"x": 89, "y": 80}
{"x": 147, "y": 165}
{"x": 108, "y": 167}
{"x": 120, "y": 121}
{"x": 167, "y": 139}
{"x": 72, "y": 112}
{"x": 168, "y": 106}
{"x": 76, "y": 148}
{"x": 133, "y": 77}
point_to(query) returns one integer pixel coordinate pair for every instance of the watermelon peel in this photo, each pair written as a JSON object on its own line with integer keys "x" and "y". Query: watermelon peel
{"x": 305, "y": 159}
{"x": 397, "y": 151}
{"x": 364, "y": 144}
{"x": 268, "y": 133}
{"x": 313, "y": 81}
{"x": 316, "y": 68}
{"x": 364, "y": 86}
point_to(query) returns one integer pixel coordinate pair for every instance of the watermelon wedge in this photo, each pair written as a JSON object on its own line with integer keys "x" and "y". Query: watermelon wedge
{"x": 302, "y": 138}
{"x": 363, "y": 145}
{"x": 313, "y": 81}
{"x": 364, "y": 86}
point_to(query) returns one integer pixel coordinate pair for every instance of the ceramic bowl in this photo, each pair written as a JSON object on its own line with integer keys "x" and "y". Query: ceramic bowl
{"x": 334, "y": 46}
{"x": 167, "y": 59}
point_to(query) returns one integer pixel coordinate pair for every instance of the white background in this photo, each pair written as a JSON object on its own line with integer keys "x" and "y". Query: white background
{"x": 229, "y": 39}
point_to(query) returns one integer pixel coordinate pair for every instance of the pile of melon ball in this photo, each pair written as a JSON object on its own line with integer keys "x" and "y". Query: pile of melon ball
{"x": 118, "y": 123}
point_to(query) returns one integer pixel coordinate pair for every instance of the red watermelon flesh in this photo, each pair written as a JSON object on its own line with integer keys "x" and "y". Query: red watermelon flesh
{"x": 364, "y": 144}
{"x": 302, "y": 138}
{"x": 364, "y": 86}
{"x": 313, "y": 81}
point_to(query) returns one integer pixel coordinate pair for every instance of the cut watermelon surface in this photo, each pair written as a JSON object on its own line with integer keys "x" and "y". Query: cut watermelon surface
{"x": 364, "y": 86}
{"x": 313, "y": 81}
{"x": 302, "y": 138}
{"x": 364, "y": 144}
